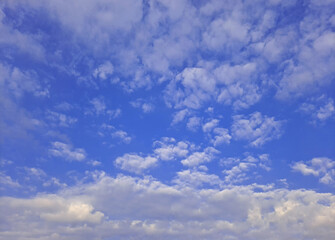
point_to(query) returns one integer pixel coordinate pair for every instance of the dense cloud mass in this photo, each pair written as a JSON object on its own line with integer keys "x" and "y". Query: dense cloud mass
{"x": 144, "y": 208}
{"x": 167, "y": 119}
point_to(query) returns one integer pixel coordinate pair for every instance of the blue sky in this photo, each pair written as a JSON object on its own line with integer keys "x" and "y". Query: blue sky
{"x": 163, "y": 119}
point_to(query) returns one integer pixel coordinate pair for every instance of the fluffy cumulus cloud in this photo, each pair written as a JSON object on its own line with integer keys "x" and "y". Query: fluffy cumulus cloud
{"x": 217, "y": 135}
{"x": 168, "y": 149}
{"x": 238, "y": 170}
{"x": 135, "y": 163}
{"x": 322, "y": 168}
{"x": 122, "y": 135}
{"x": 199, "y": 85}
{"x": 208, "y": 126}
{"x": 197, "y": 158}
{"x": 221, "y": 136}
{"x": 160, "y": 37}
{"x": 132, "y": 207}
{"x": 256, "y": 128}
{"x": 231, "y": 85}
{"x": 239, "y": 86}
{"x": 67, "y": 151}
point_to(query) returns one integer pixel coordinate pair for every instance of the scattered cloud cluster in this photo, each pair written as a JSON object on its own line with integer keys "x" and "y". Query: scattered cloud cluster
{"x": 135, "y": 163}
{"x": 7, "y": 182}
{"x": 198, "y": 158}
{"x": 60, "y": 119}
{"x": 320, "y": 109}
{"x": 145, "y": 106}
{"x": 99, "y": 108}
{"x": 256, "y": 128}
{"x": 322, "y": 168}
{"x": 217, "y": 135}
{"x": 118, "y": 134}
{"x": 242, "y": 167}
{"x": 67, "y": 152}
{"x": 18, "y": 82}
{"x": 168, "y": 149}
{"x": 208, "y": 62}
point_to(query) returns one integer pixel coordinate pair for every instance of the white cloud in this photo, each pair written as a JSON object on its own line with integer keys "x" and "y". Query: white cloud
{"x": 236, "y": 85}
{"x": 35, "y": 172}
{"x": 5, "y": 162}
{"x": 61, "y": 119}
{"x": 256, "y": 128}
{"x": 109, "y": 130}
{"x": 196, "y": 178}
{"x": 208, "y": 126}
{"x": 114, "y": 113}
{"x": 22, "y": 41}
{"x": 64, "y": 106}
{"x": 58, "y": 210}
{"x": 19, "y": 82}
{"x": 313, "y": 66}
{"x": 6, "y": 182}
{"x": 67, "y": 152}
{"x": 94, "y": 163}
{"x": 113, "y": 16}
{"x": 53, "y": 182}
{"x": 122, "y": 135}
{"x": 145, "y": 106}
{"x": 320, "y": 109}
{"x": 193, "y": 123}
{"x": 221, "y": 136}
{"x": 132, "y": 208}
{"x": 326, "y": 111}
{"x": 166, "y": 36}
{"x": 304, "y": 169}
{"x": 242, "y": 167}
{"x": 169, "y": 149}
{"x": 238, "y": 173}
{"x": 228, "y": 34}
{"x": 104, "y": 71}
{"x": 241, "y": 86}
{"x": 198, "y": 85}
{"x": 323, "y": 168}
{"x": 216, "y": 134}
{"x": 179, "y": 116}
{"x": 135, "y": 163}
{"x": 99, "y": 105}
{"x": 198, "y": 158}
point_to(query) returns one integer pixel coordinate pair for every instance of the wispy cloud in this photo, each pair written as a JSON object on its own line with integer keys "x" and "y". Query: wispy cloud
{"x": 322, "y": 168}
{"x": 67, "y": 152}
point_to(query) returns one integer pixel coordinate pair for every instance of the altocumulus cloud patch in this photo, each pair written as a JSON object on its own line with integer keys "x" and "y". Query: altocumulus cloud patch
{"x": 167, "y": 119}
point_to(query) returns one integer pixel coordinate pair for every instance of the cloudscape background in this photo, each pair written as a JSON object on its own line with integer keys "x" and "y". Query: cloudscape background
{"x": 161, "y": 119}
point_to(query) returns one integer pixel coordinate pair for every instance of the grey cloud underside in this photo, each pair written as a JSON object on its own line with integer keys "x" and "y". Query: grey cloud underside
{"x": 144, "y": 208}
